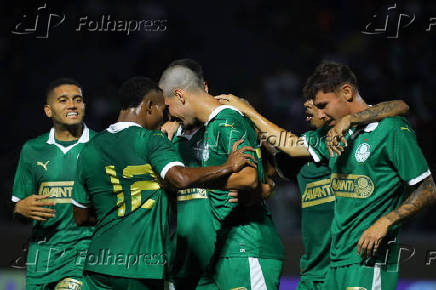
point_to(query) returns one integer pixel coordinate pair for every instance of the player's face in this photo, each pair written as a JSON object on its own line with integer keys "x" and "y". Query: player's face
{"x": 65, "y": 105}
{"x": 178, "y": 110}
{"x": 312, "y": 115}
{"x": 331, "y": 106}
{"x": 156, "y": 112}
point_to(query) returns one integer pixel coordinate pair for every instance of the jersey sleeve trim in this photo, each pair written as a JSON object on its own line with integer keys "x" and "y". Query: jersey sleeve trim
{"x": 15, "y": 198}
{"x": 169, "y": 166}
{"x": 75, "y": 203}
{"x": 311, "y": 151}
{"x": 420, "y": 178}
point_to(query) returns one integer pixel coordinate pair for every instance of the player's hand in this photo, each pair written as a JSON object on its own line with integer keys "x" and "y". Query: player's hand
{"x": 233, "y": 196}
{"x": 267, "y": 188}
{"x": 371, "y": 238}
{"x": 336, "y": 135}
{"x": 239, "y": 103}
{"x": 170, "y": 129}
{"x": 238, "y": 159}
{"x": 34, "y": 207}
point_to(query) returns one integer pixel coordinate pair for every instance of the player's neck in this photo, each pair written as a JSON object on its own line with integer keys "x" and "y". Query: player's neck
{"x": 204, "y": 108}
{"x": 358, "y": 105}
{"x": 129, "y": 115}
{"x": 68, "y": 133}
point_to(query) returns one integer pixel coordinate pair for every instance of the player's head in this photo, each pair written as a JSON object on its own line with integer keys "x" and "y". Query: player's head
{"x": 64, "y": 102}
{"x": 181, "y": 88}
{"x": 312, "y": 114}
{"x": 333, "y": 88}
{"x": 143, "y": 98}
{"x": 194, "y": 66}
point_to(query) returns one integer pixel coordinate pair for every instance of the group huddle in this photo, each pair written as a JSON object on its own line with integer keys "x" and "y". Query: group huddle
{"x": 181, "y": 205}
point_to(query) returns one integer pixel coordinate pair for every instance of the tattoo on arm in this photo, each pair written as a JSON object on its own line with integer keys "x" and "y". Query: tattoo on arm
{"x": 379, "y": 112}
{"x": 422, "y": 197}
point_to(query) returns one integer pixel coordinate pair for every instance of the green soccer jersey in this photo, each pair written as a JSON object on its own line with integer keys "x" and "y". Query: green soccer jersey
{"x": 117, "y": 174}
{"x": 317, "y": 208}
{"x": 248, "y": 231}
{"x": 195, "y": 231}
{"x": 369, "y": 181}
{"x": 48, "y": 168}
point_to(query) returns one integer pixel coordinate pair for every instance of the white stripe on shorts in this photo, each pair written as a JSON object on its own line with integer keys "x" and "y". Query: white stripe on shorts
{"x": 257, "y": 280}
{"x": 376, "y": 278}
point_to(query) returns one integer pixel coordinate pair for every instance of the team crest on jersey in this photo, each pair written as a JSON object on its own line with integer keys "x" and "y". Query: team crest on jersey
{"x": 362, "y": 152}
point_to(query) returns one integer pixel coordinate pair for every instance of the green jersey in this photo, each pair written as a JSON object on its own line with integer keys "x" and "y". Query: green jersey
{"x": 47, "y": 167}
{"x": 369, "y": 181}
{"x": 195, "y": 231}
{"x": 117, "y": 174}
{"x": 317, "y": 208}
{"x": 248, "y": 231}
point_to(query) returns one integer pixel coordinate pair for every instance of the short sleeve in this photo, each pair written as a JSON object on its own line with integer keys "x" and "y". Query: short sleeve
{"x": 24, "y": 182}
{"x": 315, "y": 143}
{"x": 162, "y": 153}
{"x": 406, "y": 155}
{"x": 80, "y": 197}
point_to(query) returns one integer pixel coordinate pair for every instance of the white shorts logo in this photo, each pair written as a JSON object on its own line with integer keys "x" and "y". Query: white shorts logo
{"x": 362, "y": 152}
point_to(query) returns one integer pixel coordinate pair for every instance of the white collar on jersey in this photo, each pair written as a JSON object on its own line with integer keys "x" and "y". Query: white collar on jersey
{"x": 218, "y": 110}
{"x": 371, "y": 127}
{"x": 368, "y": 128}
{"x": 119, "y": 126}
{"x": 83, "y": 139}
{"x": 180, "y": 133}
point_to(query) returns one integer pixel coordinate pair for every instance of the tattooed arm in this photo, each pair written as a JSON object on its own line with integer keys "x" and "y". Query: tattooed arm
{"x": 276, "y": 136}
{"x": 372, "y": 114}
{"x": 423, "y": 196}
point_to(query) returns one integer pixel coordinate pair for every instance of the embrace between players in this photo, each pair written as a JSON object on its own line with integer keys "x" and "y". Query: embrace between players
{"x": 102, "y": 203}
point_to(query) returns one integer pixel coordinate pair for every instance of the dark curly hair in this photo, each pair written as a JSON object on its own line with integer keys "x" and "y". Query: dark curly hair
{"x": 133, "y": 91}
{"x": 59, "y": 82}
{"x": 328, "y": 76}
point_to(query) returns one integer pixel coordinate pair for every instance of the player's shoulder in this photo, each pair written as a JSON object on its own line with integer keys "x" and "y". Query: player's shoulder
{"x": 229, "y": 117}
{"x": 392, "y": 124}
{"x": 36, "y": 142}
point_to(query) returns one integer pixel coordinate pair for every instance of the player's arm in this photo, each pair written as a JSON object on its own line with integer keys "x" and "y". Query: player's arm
{"x": 372, "y": 114}
{"x": 282, "y": 139}
{"x": 28, "y": 205}
{"x": 238, "y": 163}
{"x": 423, "y": 196}
{"x": 405, "y": 155}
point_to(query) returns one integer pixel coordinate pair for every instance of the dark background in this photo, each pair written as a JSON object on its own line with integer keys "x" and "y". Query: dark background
{"x": 261, "y": 50}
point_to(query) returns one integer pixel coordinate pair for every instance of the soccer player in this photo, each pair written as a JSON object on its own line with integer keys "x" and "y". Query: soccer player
{"x": 42, "y": 191}
{"x": 249, "y": 251}
{"x": 380, "y": 180}
{"x": 120, "y": 174}
{"x": 317, "y": 198}
{"x": 195, "y": 230}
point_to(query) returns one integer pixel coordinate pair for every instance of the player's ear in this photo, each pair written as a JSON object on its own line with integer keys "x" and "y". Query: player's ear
{"x": 148, "y": 106}
{"x": 206, "y": 87}
{"x": 48, "y": 112}
{"x": 180, "y": 95}
{"x": 347, "y": 92}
